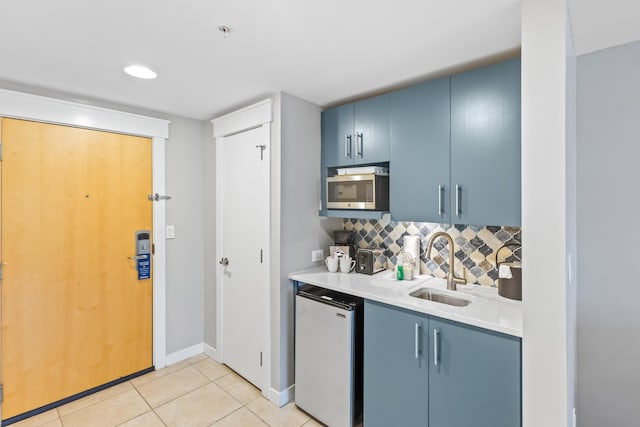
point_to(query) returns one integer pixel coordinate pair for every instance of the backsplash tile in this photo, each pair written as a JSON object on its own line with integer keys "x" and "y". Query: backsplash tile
{"x": 475, "y": 246}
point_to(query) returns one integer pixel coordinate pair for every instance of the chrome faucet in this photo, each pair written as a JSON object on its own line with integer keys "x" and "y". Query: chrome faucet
{"x": 452, "y": 279}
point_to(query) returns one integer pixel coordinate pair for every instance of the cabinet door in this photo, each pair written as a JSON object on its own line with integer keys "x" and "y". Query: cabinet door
{"x": 396, "y": 391}
{"x": 338, "y": 140}
{"x": 371, "y": 125}
{"x": 476, "y": 381}
{"x": 485, "y": 145}
{"x": 419, "y": 164}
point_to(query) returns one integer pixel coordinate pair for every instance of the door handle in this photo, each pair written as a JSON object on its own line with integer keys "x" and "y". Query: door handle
{"x": 417, "y": 341}
{"x": 224, "y": 261}
{"x": 436, "y": 350}
{"x": 458, "y": 200}
{"x": 137, "y": 257}
{"x": 347, "y": 146}
{"x": 359, "y": 145}
{"x": 440, "y": 188}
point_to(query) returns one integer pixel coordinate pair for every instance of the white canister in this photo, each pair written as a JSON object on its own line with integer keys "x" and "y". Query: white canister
{"x": 411, "y": 245}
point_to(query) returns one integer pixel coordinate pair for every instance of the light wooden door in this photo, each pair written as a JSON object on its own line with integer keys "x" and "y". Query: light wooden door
{"x": 245, "y": 233}
{"x": 74, "y": 314}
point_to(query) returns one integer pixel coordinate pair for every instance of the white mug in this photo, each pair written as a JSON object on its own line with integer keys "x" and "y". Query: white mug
{"x": 332, "y": 264}
{"x": 347, "y": 264}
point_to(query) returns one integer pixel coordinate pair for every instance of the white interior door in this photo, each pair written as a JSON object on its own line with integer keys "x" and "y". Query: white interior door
{"x": 245, "y": 237}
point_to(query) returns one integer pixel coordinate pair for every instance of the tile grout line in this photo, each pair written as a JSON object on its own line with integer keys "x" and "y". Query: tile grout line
{"x": 60, "y": 417}
{"x": 254, "y": 412}
{"x": 198, "y": 388}
{"x": 227, "y": 415}
{"x": 160, "y": 377}
{"x": 174, "y": 398}
{"x": 184, "y": 394}
{"x": 57, "y": 408}
{"x": 209, "y": 381}
{"x": 149, "y": 405}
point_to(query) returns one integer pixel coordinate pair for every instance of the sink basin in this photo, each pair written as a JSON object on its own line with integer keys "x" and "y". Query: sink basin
{"x": 430, "y": 295}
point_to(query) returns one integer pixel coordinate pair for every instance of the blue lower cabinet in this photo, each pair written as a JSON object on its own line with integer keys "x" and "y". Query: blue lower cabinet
{"x": 425, "y": 371}
{"x": 474, "y": 377}
{"x": 396, "y": 382}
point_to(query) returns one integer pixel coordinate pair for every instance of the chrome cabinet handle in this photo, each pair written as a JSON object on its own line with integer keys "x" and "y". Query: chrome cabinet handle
{"x": 436, "y": 350}
{"x": 458, "y": 200}
{"x": 359, "y": 144}
{"x": 347, "y": 146}
{"x": 440, "y": 188}
{"x": 417, "y": 341}
{"x": 224, "y": 261}
{"x": 137, "y": 257}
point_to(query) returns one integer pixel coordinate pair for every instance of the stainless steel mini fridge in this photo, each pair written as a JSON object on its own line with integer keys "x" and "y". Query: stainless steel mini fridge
{"x": 328, "y": 355}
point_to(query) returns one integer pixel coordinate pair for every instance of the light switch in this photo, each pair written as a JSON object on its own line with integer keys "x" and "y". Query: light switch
{"x": 317, "y": 255}
{"x": 171, "y": 232}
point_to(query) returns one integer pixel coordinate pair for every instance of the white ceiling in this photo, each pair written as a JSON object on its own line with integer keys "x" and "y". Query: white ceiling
{"x": 325, "y": 51}
{"x": 598, "y": 24}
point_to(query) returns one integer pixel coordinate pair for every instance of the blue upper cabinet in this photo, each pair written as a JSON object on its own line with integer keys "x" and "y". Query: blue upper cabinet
{"x": 396, "y": 376}
{"x": 419, "y": 163}
{"x": 477, "y": 378}
{"x": 337, "y": 136}
{"x": 371, "y": 130}
{"x": 485, "y": 145}
{"x": 453, "y": 146}
{"x": 356, "y": 133}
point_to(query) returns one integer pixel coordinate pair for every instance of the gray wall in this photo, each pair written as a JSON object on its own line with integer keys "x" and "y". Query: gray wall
{"x": 210, "y": 259}
{"x": 301, "y": 229}
{"x": 607, "y": 184}
{"x": 185, "y": 165}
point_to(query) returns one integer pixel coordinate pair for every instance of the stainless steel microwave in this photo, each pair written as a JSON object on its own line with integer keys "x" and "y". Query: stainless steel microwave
{"x": 365, "y": 192}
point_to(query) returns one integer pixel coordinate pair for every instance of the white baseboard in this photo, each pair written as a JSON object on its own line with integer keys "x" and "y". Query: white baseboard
{"x": 283, "y": 397}
{"x": 279, "y": 398}
{"x": 212, "y": 352}
{"x": 183, "y": 354}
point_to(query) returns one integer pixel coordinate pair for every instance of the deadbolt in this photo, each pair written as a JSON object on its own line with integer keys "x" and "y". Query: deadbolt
{"x": 224, "y": 261}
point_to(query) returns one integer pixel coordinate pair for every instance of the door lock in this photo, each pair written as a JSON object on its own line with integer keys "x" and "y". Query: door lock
{"x": 143, "y": 254}
{"x": 224, "y": 261}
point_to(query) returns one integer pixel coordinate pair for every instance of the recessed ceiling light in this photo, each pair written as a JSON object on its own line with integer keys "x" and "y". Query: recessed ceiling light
{"x": 140, "y": 72}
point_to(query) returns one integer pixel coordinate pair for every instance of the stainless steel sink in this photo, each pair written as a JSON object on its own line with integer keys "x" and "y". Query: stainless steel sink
{"x": 430, "y": 295}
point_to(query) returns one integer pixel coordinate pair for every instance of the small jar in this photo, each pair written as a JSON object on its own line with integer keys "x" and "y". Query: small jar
{"x": 408, "y": 271}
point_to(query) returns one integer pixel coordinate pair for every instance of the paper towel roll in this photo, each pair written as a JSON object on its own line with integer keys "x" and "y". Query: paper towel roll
{"x": 411, "y": 244}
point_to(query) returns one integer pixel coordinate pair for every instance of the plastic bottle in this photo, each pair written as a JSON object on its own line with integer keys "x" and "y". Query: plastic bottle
{"x": 400, "y": 273}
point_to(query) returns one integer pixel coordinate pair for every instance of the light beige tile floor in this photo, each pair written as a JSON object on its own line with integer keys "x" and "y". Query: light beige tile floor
{"x": 195, "y": 392}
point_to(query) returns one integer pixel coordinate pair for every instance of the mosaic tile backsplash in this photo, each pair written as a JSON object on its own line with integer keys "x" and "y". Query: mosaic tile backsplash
{"x": 475, "y": 246}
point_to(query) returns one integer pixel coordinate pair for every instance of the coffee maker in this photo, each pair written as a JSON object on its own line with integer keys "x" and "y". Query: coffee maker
{"x": 346, "y": 238}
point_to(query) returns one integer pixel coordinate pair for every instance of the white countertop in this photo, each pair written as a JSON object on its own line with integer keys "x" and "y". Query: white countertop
{"x": 487, "y": 309}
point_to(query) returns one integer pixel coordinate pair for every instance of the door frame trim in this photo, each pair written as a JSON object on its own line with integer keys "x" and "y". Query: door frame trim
{"x": 251, "y": 117}
{"x": 26, "y": 106}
